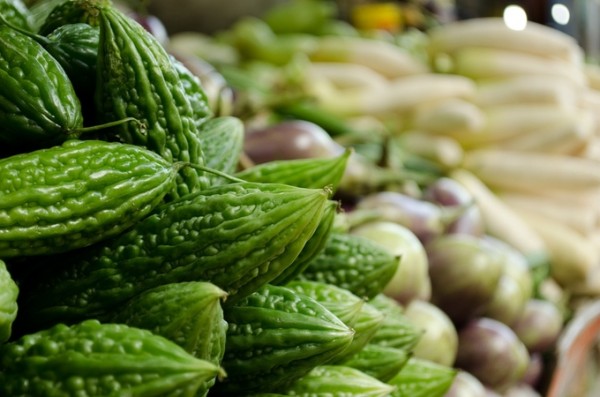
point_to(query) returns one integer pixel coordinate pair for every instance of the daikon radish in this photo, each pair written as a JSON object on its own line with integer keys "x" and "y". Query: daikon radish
{"x": 486, "y": 63}
{"x": 398, "y": 96}
{"x": 528, "y": 89}
{"x": 592, "y": 73}
{"x": 508, "y": 169}
{"x": 500, "y": 220}
{"x": 505, "y": 122}
{"x": 581, "y": 219}
{"x": 572, "y": 256}
{"x": 383, "y": 57}
{"x": 440, "y": 149}
{"x": 565, "y": 137}
{"x": 448, "y": 116}
{"x": 345, "y": 75}
{"x": 536, "y": 39}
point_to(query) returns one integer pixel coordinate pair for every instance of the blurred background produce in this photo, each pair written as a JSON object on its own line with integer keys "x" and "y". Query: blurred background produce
{"x": 475, "y": 158}
{"x": 475, "y": 146}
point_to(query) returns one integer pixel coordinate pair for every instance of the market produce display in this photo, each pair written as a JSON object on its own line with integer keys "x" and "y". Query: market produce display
{"x": 278, "y": 209}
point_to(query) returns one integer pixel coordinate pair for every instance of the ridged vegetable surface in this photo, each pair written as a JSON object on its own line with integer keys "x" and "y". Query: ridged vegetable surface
{"x": 93, "y": 359}
{"x": 276, "y": 336}
{"x": 63, "y": 12}
{"x": 238, "y": 236}
{"x": 16, "y": 13}
{"x": 38, "y": 104}
{"x": 75, "y": 46}
{"x": 71, "y": 196}
{"x": 368, "y": 321}
{"x": 380, "y": 362}
{"x": 129, "y": 56}
{"x": 341, "y": 302}
{"x": 313, "y": 247}
{"x": 422, "y": 378}
{"x": 339, "y": 381}
{"x": 9, "y": 292}
{"x": 354, "y": 263}
{"x": 194, "y": 91}
{"x": 309, "y": 173}
{"x": 396, "y": 330}
{"x": 222, "y": 140}
{"x": 189, "y": 314}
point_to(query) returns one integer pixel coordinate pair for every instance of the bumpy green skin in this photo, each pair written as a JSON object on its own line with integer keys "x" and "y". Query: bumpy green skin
{"x": 16, "y": 13}
{"x": 189, "y": 314}
{"x": 354, "y": 263}
{"x": 314, "y": 246}
{"x": 93, "y": 359}
{"x": 342, "y": 303}
{"x": 421, "y": 378}
{"x": 137, "y": 78}
{"x": 64, "y": 12}
{"x": 9, "y": 291}
{"x": 339, "y": 381}
{"x": 75, "y": 46}
{"x": 76, "y": 194}
{"x": 309, "y": 173}
{"x": 275, "y": 337}
{"x": 349, "y": 308}
{"x": 238, "y": 236}
{"x": 365, "y": 326}
{"x": 222, "y": 142}
{"x": 194, "y": 91}
{"x": 396, "y": 330}
{"x": 40, "y": 10}
{"x": 380, "y": 362}
{"x": 38, "y": 104}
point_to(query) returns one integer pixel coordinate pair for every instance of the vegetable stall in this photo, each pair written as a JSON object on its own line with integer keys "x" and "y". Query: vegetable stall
{"x": 294, "y": 206}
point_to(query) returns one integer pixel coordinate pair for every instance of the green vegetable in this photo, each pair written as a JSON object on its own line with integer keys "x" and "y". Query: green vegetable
{"x": 354, "y": 263}
{"x": 422, "y": 378}
{"x": 380, "y": 362}
{"x": 39, "y": 11}
{"x": 300, "y": 16}
{"x": 64, "y": 12}
{"x": 367, "y": 322}
{"x": 396, "y": 330}
{"x": 309, "y": 173}
{"x": 16, "y": 13}
{"x": 222, "y": 141}
{"x": 276, "y": 336}
{"x": 75, "y": 46}
{"x": 9, "y": 292}
{"x": 339, "y": 381}
{"x": 38, "y": 106}
{"x": 94, "y": 359}
{"x": 137, "y": 78}
{"x": 313, "y": 247}
{"x": 71, "y": 196}
{"x": 238, "y": 236}
{"x": 194, "y": 91}
{"x": 341, "y": 302}
{"x": 189, "y": 314}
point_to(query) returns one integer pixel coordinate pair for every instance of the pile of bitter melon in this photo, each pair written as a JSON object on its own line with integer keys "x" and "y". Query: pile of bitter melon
{"x": 137, "y": 260}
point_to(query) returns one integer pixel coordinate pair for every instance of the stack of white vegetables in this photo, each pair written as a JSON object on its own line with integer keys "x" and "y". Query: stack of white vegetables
{"x": 514, "y": 114}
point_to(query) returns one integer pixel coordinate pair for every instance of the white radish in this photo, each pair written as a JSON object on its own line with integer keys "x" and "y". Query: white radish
{"x": 383, "y": 57}
{"x": 500, "y": 220}
{"x": 508, "y": 169}
{"x": 536, "y": 39}
{"x": 481, "y": 63}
